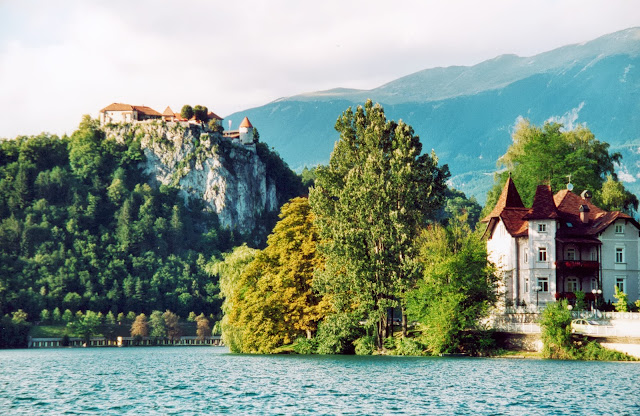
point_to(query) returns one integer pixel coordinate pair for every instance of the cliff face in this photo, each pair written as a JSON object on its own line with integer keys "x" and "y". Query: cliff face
{"x": 230, "y": 178}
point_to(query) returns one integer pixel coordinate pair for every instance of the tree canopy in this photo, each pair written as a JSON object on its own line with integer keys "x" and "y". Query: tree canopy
{"x": 269, "y": 301}
{"x": 548, "y": 154}
{"x": 369, "y": 202}
{"x": 457, "y": 288}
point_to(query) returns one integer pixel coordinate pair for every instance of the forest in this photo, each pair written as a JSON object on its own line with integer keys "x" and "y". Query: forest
{"x": 81, "y": 229}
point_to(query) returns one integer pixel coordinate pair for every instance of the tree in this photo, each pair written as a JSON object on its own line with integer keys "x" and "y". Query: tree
{"x": 230, "y": 271}
{"x": 203, "y": 329}
{"x": 140, "y": 327}
{"x": 614, "y": 197}
{"x": 86, "y": 326}
{"x": 158, "y": 325}
{"x": 200, "y": 113}
{"x": 369, "y": 203}
{"x": 552, "y": 155}
{"x": 458, "y": 285}
{"x": 622, "y": 304}
{"x": 272, "y": 302}
{"x": 171, "y": 320}
{"x": 556, "y": 331}
{"x": 186, "y": 112}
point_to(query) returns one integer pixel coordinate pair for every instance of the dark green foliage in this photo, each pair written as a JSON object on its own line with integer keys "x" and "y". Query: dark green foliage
{"x": 200, "y": 113}
{"x": 187, "y": 112}
{"x": 13, "y": 334}
{"x": 457, "y": 289}
{"x": 80, "y": 229}
{"x": 458, "y": 207}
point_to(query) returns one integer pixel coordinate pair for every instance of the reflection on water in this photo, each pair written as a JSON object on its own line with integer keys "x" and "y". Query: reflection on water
{"x": 209, "y": 380}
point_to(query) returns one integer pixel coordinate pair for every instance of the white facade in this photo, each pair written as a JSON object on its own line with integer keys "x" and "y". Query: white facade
{"x": 550, "y": 251}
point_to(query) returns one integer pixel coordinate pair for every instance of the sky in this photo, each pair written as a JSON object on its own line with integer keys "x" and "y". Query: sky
{"x": 62, "y": 59}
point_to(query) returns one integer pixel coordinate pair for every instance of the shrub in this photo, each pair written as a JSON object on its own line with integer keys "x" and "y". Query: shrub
{"x": 556, "y": 331}
{"x": 305, "y": 346}
{"x": 365, "y": 345}
{"x": 409, "y": 346}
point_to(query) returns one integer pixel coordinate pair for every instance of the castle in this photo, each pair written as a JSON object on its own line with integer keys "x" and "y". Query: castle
{"x": 127, "y": 113}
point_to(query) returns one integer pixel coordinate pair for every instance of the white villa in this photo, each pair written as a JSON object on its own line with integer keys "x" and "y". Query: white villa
{"x": 562, "y": 244}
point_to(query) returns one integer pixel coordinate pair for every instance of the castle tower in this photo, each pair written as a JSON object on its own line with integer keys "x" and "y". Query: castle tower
{"x": 246, "y": 131}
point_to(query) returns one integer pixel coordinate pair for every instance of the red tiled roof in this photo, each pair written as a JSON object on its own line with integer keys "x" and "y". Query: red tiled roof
{"x": 509, "y": 198}
{"x": 514, "y": 222}
{"x": 168, "y": 112}
{"x": 117, "y": 107}
{"x": 212, "y": 115}
{"x": 146, "y": 110}
{"x": 245, "y": 123}
{"x": 564, "y": 206}
{"x": 543, "y": 206}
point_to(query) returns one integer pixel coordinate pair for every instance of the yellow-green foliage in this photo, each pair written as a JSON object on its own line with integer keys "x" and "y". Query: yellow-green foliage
{"x": 270, "y": 303}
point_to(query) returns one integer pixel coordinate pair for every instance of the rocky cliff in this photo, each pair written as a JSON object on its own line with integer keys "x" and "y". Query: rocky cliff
{"x": 234, "y": 180}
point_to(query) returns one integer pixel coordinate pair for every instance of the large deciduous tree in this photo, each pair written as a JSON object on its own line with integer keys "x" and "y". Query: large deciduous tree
{"x": 458, "y": 285}
{"x": 272, "y": 302}
{"x": 370, "y": 201}
{"x": 548, "y": 154}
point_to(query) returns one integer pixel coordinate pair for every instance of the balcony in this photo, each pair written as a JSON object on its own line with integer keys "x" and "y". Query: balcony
{"x": 578, "y": 264}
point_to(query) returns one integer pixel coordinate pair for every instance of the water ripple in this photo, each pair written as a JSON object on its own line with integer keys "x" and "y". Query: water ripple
{"x": 194, "y": 381}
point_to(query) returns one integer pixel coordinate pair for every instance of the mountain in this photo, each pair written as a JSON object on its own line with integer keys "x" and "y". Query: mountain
{"x": 466, "y": 114}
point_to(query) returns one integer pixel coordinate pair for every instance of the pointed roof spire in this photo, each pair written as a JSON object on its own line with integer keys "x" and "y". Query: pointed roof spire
{"x": 246, "y": 123}
{"x": 543, "y": 207}
{"x": 509, "y": 198}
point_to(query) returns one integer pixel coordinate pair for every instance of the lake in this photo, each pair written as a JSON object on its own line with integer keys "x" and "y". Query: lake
{"x": 209, "y": 380}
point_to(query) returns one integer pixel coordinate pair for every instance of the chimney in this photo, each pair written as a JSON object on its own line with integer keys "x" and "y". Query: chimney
{"x": 584, "y": 213}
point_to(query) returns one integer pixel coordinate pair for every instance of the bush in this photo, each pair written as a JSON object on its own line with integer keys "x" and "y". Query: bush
{"x": 336, "y": 334}
{"x": 556, "y": 331}
{"x": 365, "y": 345}
{"x": 305, "y": 346}
{"x": 409, "y": 346}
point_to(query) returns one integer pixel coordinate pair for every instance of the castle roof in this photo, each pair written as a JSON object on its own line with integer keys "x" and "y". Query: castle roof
{"x": 117, "y": 107}
{"x": 246, "y": 123}
{"x": 168, "y": 112}
{"x": 211, "y": 115}
{"x": 128, "y": 107}
{"x": 146, "y": 110}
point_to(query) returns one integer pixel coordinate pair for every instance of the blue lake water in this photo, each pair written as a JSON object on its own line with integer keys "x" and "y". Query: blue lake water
{"x": 209, "y": 380}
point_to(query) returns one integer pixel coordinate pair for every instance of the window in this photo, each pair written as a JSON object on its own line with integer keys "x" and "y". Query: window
{"x": 619, "y": 254}
{"x": 526, "y": 256}
{"x": 571, "y": 254}
{"x": 594, "y": 255}
{"x": 542, "y": 254}
{"x": 569, "y": 225}
{"x": 594, "y": 283}
{"x": 542, "y": 228}
{"x": 619, "y": 228}
{"x": 572, "y": 284}
{"x": 526, "y": 285}
{"x": 620, "y": 283}
{"x": 543, "y": 284}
